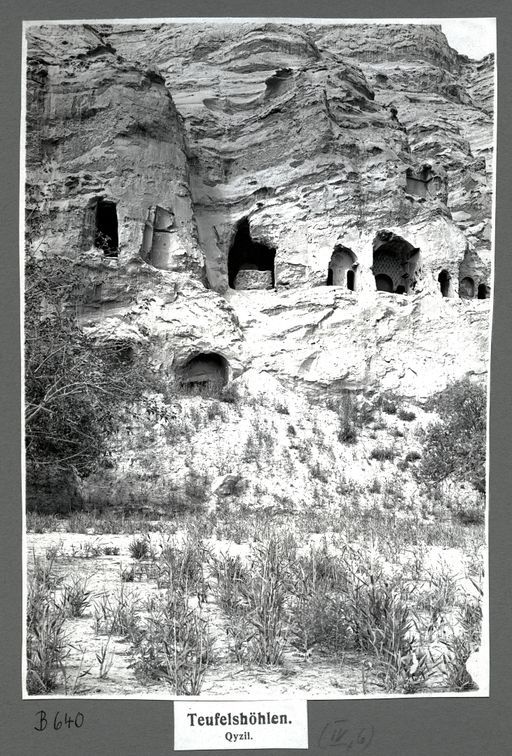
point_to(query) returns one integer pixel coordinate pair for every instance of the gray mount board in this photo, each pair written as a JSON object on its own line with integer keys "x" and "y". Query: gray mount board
{"x": 426, "y": 727}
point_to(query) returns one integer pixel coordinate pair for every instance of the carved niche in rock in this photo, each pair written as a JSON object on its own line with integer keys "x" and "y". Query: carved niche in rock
{"x": 395, "y": 263}
{"x": 445, "y": 283}
{"x": 249, "y": 257}
{"x": 206, "y": 370}
{"x": 423, "y": 183}
{"x": 484, "y": 291}
{"x": 342, "y": 268}
{"x": 101, "y": 227}
{"x": 467, "y": 288}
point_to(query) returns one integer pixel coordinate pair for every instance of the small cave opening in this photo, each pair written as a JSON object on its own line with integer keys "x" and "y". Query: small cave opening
{"x": 395, "y": 263}
{"x": 342, "y": 268}
{"x": 422, "y": 183}
{"x": 484, "y": 291}
{"x": 383, "y": 282}
{"x": 204, "y": 371}
{"x": 279, "y": 81}
{"x": 120, "y": 353}
{"x": 106, "y": 233}
{"x": 445, "y": 285}
{"x": 466, "y": 288}
{"x": 250, "y": 263}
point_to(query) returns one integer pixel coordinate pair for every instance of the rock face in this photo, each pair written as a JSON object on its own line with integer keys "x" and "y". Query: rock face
{"x": 309, "y": 201}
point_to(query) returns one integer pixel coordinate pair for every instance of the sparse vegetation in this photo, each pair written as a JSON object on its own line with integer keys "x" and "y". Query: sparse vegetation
{"x": 75, "y": 597}
{"x": 406, "y": 415}
{"x": 173, "y": 644}
{"x": 115, "y": 613}
{"x": 47, "y": 645}
{"x": 305, "y": 583}
{"x": 383, "y": 454}
{"x": 388, "y": 406}
{"x": 111, "y": 550}
{"x": 139, "y": 548}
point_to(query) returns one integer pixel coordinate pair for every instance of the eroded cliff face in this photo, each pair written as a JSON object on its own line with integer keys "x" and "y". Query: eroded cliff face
{"x": 105, "y": 144}
{"x": 312, "y": 202}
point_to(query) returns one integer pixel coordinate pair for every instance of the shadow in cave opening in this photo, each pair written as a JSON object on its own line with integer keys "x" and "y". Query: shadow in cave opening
{"x": 246, "y": 254}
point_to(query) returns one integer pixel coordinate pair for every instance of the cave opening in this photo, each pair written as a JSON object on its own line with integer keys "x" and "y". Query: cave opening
{"x": 106, "y": 233}
{"x": 383, "y": 282}
{"x": 467, "y": 288}
{"x": 279, "y": 81}
{"x": 204, "y": 371}
{"x": 395, "y": 263}
{"x": 342, "y": 268}
{"x": 484, "y": 291}
{"x": 250, "y": 263}
{"x": 420, "y": 183}
{"x": 122, "y": 353}
{"x": 444, "y": 280}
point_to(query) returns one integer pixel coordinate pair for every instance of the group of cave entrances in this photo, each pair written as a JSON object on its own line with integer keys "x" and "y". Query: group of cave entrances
{"x": 395, "y": 264}
{"x": 251, "y": 263}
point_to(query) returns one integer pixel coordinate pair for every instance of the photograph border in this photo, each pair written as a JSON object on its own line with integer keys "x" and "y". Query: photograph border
{"x": 499, "y": 416}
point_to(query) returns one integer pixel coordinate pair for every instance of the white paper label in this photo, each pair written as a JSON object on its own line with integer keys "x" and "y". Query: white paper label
{"x": 213, "y": 725}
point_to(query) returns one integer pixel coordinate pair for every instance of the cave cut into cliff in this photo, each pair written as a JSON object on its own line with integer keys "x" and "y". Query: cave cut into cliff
{"x": 395, "y": 263}
{"x": 473, "y": 277}
{"x": 250, "y": 263}
{"x": 422, "y": 183}
{"x": 204, "y": 371}
{"x": 342, "y": 269}
{"x": 106, "y": 233}
{"x": 466, "y": 288}
{"x": 445, "y": 283}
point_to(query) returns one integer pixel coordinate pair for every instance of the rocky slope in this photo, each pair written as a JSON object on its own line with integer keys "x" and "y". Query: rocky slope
{"x": 210, "y": 180}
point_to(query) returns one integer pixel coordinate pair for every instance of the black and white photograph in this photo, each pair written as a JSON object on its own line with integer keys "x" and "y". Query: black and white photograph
{"x": 257, "y": 289}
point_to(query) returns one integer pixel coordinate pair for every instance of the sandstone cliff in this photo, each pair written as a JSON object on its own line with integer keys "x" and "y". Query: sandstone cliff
{"x": 308, "y": 203}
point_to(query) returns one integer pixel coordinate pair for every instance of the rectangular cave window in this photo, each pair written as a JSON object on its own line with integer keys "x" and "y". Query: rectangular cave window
{"x": 106, "y": 236}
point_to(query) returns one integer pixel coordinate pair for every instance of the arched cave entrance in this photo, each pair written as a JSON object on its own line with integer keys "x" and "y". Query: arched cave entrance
{"x": 106, "y": 234}
{"x": 250, "y": 263}
{"x": 445, "y": 283}
{"x": 383, "y": 282}
{"x": 342, "y": 268}
{"x": 395, "y": 263}
{"x": 484, "y": 291}
{"x": 206, "y": 370}
{"x": 467, "y": 288}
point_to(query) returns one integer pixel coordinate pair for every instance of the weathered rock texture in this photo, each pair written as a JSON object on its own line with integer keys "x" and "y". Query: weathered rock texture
{"x": 150, "y": 147}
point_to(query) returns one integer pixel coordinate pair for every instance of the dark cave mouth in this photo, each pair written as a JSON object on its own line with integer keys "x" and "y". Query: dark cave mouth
{"x": 247, "y": 254}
